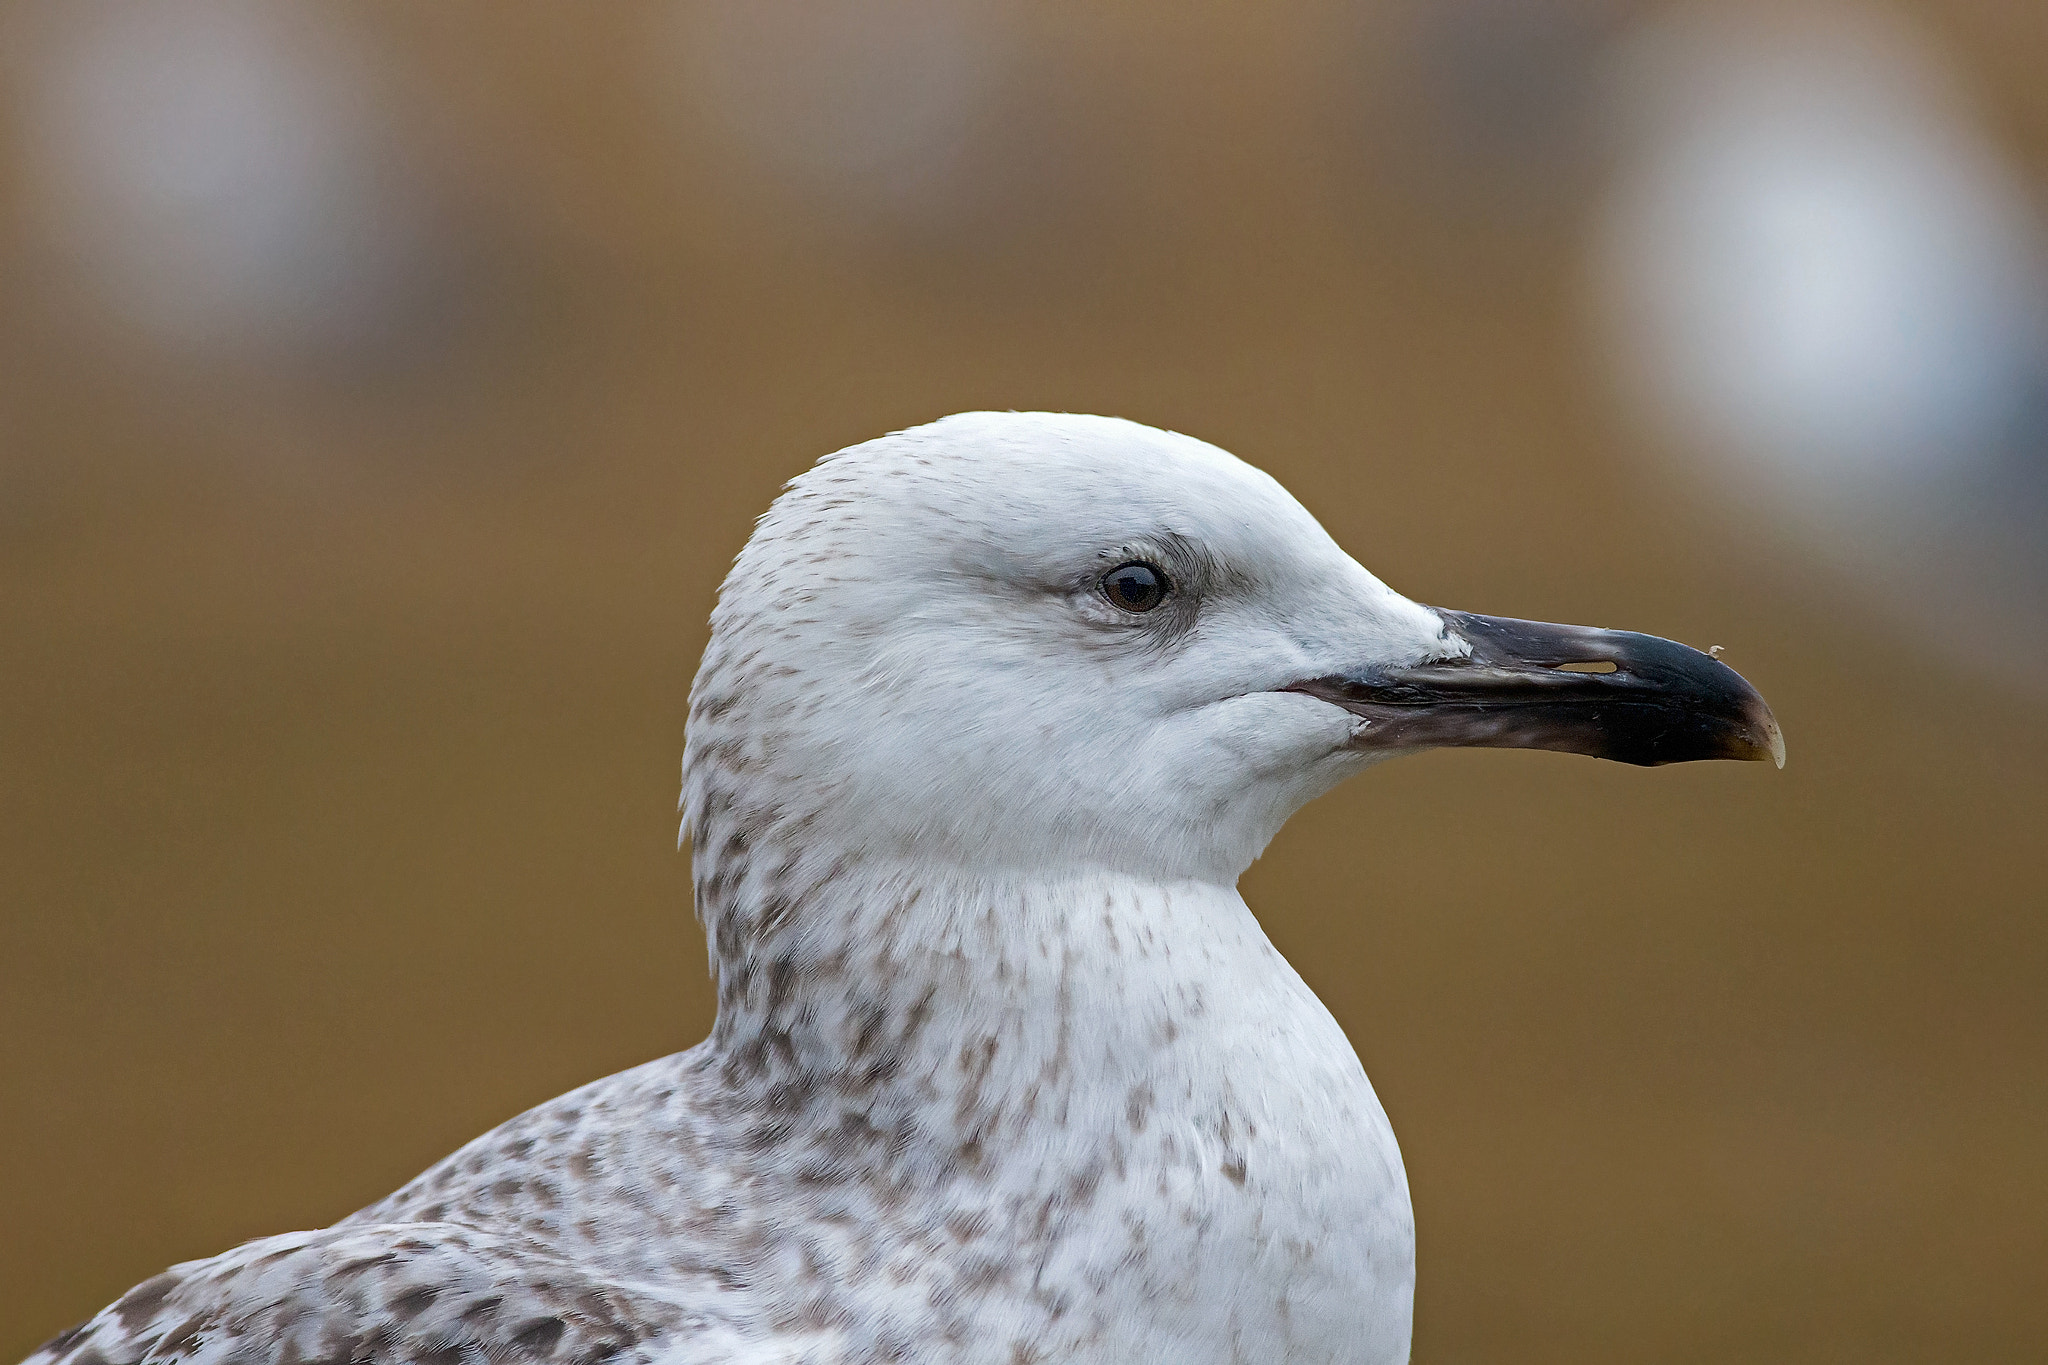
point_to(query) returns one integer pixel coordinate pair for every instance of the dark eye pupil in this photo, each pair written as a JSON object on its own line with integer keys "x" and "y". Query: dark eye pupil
{"x": 1134, "y": 587}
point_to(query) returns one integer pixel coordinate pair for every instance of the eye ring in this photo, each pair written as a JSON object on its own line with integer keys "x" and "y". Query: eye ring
{"x": 1136, "y": 587}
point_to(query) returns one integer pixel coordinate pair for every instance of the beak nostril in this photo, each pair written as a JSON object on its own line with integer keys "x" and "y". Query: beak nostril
{"x": 1590, "y": 666}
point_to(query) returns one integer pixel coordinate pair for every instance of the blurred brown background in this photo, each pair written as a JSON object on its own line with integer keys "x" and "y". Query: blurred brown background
{"x": 383, "y": 389}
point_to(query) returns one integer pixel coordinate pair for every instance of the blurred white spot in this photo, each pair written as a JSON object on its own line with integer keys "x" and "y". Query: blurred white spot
{"x": 211, "y": 172}
{"x": 1819, "y": 279}
{"x": 870, "y": 105}
{"x": 1815, "y": 260}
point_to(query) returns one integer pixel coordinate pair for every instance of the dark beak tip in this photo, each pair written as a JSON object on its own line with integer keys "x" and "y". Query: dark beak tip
{"x": 1756, "y": 731}
{"x": 1768, "y": 740}
{"x": 1657, "y": 702}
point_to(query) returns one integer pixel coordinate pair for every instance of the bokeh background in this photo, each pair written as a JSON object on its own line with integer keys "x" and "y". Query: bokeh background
{"x": 384, "y": 388}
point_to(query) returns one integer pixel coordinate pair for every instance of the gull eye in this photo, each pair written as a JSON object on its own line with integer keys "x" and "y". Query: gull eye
{"x": 1134, "y": 587}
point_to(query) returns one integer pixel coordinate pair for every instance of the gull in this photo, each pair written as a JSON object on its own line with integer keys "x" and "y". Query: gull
{"x": 994, "y": 713}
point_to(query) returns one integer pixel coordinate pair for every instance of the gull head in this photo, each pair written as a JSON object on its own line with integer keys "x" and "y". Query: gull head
{"x": 1055, "y": 642}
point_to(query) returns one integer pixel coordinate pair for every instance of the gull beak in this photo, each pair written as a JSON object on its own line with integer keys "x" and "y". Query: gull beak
{"x": 1572, "y": 689}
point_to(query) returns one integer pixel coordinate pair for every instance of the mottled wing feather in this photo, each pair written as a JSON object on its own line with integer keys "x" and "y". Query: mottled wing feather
{"x": 389, "y": 1294}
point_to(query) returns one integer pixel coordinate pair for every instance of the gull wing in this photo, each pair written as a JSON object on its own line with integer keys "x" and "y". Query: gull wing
{"x": 388, "y": 1294}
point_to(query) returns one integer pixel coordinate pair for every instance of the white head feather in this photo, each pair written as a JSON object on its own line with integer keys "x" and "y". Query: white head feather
{"x": 973, "y": 699}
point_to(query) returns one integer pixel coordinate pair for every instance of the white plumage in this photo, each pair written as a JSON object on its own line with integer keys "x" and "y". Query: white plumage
{"x": 1004, "y": 1069}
